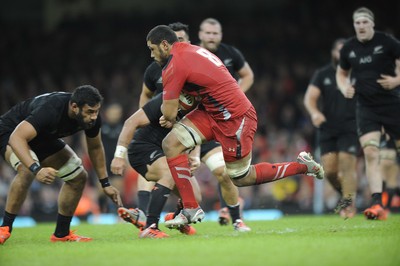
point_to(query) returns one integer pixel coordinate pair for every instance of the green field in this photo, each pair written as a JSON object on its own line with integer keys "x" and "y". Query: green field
{"x": 292, "y": 240}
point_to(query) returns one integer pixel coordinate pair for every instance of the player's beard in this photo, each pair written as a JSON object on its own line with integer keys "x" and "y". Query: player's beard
{"x": 163, "y": 58}
{"x": 82, "y": 122}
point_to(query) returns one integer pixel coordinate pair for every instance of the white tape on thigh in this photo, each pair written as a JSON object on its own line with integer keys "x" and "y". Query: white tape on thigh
{"x": 15, "y": 161}
{"x": 237, "y": 169}
{"x": 215, "y": 161}
{"x": 186, "y": 135}
{"x": 71, "y": 169}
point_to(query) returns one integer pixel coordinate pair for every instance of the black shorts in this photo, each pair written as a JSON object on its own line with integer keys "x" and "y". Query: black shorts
{"x": 141, "y": 154}
{"x": 207, "y": 147}
{"x": 369, "y": 121}
{"x": 331, "y": 140}
{"x": 42, "y": 148}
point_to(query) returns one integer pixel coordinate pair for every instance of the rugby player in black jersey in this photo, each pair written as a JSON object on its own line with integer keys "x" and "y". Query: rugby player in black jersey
{"x": 337, "y": 133}
{"x": 31, "y": 142}
{"x": 369, "y": 68}
{"x": 210, "y": 154}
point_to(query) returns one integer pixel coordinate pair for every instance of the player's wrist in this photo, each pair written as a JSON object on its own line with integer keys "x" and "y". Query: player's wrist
{"x": 120, "y": 152}
{"x": 105, "y": 182}
{"x": 35, "y": 168}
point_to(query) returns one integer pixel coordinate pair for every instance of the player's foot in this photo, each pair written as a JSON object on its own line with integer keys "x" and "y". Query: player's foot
{"x": 313, "y": 168}
{"x": 186, "y": 216}
{"x": 223, "y": 216}
{"x": 184, "y": 229}
{"x": 240, "y": 226}
{"x": 152, "y": 232}
{"x": 375, "y": 212}
{"x": 134, "y": 216}
{"x": 70, "y": 238}
{"x": 4, "y": 234}
{"x": 346, "y": 208}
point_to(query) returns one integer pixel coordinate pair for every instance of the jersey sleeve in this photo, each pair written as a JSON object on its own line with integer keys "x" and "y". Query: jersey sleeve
{"x": 174, "y": 76}
{"x": 43, "y": 118}
{"x": 238, "y": 59}
{"x": 316, "y": 79}
{"x": 343, "y": 61}
{"x": 149, "y": 74}
{"x": 395, "y": 44}
{"x": 152, "y": 109}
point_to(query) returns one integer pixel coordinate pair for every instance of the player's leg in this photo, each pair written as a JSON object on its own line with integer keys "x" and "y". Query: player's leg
{"x": 71, "y": 171}
{"x": 389, "y": 168}
{"x": 17, "y": 193}
{"x": 144, "y": 188}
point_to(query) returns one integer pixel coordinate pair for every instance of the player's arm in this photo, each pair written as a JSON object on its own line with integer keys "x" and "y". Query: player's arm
{"x": 246, "y": 79}
{"x": 137, "y": 120}
{"x": 18, "y": 141}
{"x": 169, "y": 109}
{"x": 98, "y": 159}
{"x": 311, "y": 103}
{"x": 391, "y": 82}
{"x": 343, "y": 82}
{"x": 145, "y": 96}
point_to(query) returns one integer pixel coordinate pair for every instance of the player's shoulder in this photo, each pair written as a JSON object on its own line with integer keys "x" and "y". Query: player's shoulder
{"x": 231, "y": 49}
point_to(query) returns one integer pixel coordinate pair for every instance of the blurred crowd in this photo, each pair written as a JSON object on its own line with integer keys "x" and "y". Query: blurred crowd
{"x": 109, "y": 52}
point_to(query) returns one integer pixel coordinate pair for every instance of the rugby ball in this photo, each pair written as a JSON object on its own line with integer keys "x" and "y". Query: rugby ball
{"x": 186, "y": 101}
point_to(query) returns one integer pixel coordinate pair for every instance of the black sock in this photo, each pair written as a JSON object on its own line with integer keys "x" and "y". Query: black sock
{"x": 143, "y": 200}
{"x": 159, "y": 196}
{"x": 63, "y": 224}
{"x": 234, "y": 211}
{"x": 377, "y": 198}
{"x": 8, "y": 220}
{"x": 179, "y": 207}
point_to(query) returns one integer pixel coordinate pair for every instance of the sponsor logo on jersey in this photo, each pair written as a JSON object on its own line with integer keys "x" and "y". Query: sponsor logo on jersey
{"x": 154, "y": 154}
{"x": 365, "y": 60}
{"x": 327, "y": 81}
{"x": 352, "y": 54}
{"x": 378, "y": 49}
{"x": 159, "y": 80}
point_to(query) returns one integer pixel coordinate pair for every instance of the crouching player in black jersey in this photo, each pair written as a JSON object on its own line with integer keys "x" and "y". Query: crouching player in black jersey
{"x": 368, "y": 69}
{"x": 30, "y": 141}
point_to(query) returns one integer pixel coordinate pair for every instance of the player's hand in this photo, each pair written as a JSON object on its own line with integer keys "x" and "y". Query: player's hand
{"x": 46, "y": 175}
{"x": 388, "y": 82}
{"x": 114, "y": 195}
{"x": 194, "y": 163}
{"x": 349, "y": 92}
{"x": 165, "y": 123}
{"x": 317, "y": 119}
{"x": 118, "y": 166}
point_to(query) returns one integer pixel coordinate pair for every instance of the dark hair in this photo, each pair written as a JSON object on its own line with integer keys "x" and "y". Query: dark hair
{"x": 178, "y": 26}
{"x": 161, "y": 33}
{"x": 337, "y": 42}
{"x": 86, "y": 94}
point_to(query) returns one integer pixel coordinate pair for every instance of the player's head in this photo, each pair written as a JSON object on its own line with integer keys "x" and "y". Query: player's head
{"x": 210, "y": 34}
{"x": 181, "y": 30}
{"x": 363, "y": 20}
{"x": 160, "y": 40}
{"x": 336, "y": 46}
{"x": 85, "y": 105}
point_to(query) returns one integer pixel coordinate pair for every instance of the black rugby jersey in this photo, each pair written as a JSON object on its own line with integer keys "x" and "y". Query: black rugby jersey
{"x": 337, "y": 109}
{"x": 153, "y": 79}
{"x": 153, "y": 132}
{"x": 48, "y": 114}
{"x": 232, "y": 58}
{"x": 367, "y": 62}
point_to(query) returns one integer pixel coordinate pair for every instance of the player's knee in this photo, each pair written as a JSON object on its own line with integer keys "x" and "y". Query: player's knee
{"x": 186, "y": 135}
{"x": 72, "y": 169}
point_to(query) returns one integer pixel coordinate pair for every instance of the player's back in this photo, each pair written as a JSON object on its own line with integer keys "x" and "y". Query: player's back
{"x": 201, "y": 73}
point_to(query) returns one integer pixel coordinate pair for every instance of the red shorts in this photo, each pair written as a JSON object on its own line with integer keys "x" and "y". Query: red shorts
{"x": 235, "y": 135}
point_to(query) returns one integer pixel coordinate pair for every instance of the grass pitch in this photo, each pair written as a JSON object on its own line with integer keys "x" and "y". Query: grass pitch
{"x": 292, "y": 240}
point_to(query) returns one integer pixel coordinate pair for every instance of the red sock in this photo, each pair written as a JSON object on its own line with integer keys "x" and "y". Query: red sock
{"x": 179, "y": 167}
{"x": 267, "y": 172}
